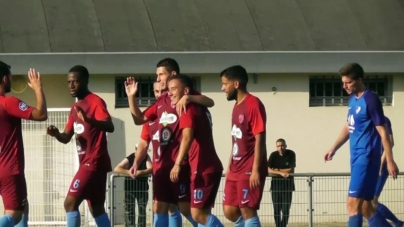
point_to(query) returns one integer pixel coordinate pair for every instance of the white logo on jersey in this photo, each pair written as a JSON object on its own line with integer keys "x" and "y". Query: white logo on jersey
{"x": 236, "y": 132}
{"x": 78, "y": 128}
{"x": 22, "y": 106}
{"x": 351, "y": 123}
{"x": 167, "y": 118}
{"x": 358, "y": 109}
{"x": 156, "y": 136}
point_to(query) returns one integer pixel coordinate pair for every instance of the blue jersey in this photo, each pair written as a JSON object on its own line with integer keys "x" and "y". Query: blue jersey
{"x": 364, "y": 114}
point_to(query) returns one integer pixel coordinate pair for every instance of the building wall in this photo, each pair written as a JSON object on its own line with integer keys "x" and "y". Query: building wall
{"x": 309, "y": 131}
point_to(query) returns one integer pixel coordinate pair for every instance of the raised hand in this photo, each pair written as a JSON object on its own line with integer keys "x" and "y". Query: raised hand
{"x": 130, "y": 86}
{"x": 34, "y": 79}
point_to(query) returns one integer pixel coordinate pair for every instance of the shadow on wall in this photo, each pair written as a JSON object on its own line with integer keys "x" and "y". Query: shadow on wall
{"x": 117, "y": 152}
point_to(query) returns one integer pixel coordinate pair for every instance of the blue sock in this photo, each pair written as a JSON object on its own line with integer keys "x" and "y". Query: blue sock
{"x": 386, "y": 212}
{"x": 6, "y": 221}
{"x": 355, "y": 220}
{"x": 213, "y": 221}
{"x": 192, "y": 221}
{"x": 378, "y": 220}
{"x": 253, "y": 222}
{"x": 73, "y": 219}
{"x": 103, "y": 220}
{"x": 175, "y": 219}
{"x": 239, "y": 222}
{"x": 160, "y": 220}
{"x": 23, "y": 222}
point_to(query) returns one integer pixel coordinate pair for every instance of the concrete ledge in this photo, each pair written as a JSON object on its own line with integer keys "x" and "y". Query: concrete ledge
{"x": 209, "y": 62}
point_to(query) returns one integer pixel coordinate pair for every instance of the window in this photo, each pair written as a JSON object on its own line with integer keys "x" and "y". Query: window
{"x": 328, "y": 91}
{"x": 145, "y": 94}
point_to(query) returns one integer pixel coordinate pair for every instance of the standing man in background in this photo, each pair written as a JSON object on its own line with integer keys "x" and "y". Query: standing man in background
{"x": 281, "y": 163}
{"x": 136, "y": 190}
{"x": 13, "y": 186}
{"x": 384, "y": 174}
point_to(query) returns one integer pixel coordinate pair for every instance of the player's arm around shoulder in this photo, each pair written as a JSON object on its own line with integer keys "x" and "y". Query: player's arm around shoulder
{"x": 200, "y": 99}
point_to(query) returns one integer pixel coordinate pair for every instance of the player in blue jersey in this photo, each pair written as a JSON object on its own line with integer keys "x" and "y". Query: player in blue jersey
{"x": 365, "y": 128}
{"x": 383, "y": 175}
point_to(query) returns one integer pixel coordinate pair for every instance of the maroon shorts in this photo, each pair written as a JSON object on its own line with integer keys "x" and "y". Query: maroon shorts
{"x": 89, "y": 185}
{"x": 239, "y": 194}
{"x": 168, "y": 192}
{"x": 204, "y": 189}
{"x": 13, "y": 190}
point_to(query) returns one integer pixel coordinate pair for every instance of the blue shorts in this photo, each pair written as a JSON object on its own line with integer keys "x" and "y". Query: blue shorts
{"x": 364, "y": 177}
{"x": 381, "y": 181}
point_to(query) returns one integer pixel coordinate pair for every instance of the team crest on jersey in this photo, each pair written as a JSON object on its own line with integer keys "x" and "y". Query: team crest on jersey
{"x": 167, "y": 118}
{"x": 358, "y": 109}
{"x": 240, "y": 118}
{"x": 22, "y": 106}
{"x": 235, "y": 149}
{"x": 236, "y": 132}
{"x": 78, "y": 128}
{"x": 165, "y": 135}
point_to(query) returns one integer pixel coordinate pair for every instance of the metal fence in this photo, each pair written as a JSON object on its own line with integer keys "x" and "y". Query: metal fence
{"x": 318, "y": 200}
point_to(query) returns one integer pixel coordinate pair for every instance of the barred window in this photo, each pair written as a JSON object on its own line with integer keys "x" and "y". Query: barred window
{"x": 328, "y": 90}
{"x": 145, "y": 93}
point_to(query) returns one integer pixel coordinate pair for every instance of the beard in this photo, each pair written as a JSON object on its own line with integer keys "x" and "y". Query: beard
{"x": 232, "y": 95}
{"x": 7, "y": 88}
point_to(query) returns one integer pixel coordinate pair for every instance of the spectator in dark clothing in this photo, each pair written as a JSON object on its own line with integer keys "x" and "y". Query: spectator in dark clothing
{"x": 281, "y": 163}
{"x": 136, "y": 190}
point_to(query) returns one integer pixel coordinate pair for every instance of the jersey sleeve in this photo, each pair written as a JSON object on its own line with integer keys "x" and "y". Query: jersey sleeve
{"x": 388, "y": 124}
{"x": 271, "y": 161}
{"x": 187, "y": 119}
{"x": 375, "y": 109}
{"x": 101, "y": 112}
{"x": 144, "y": 135}
{"x": 70, "y": 121}
{"x": 17, "y": 108}
{"x": 257, "y": 117}
{"x": 151, "y": 112}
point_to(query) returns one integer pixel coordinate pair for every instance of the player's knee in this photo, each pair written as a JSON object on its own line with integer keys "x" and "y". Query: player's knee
{"x": 185, "y": 208}
{"x": 70, "y": 204}
{"x": 97, "y": 210}
{"x": 231, "y": 213}
{"x": 248, "y": 212}
{"x": 354, "y": 205}
{"x": 200, "y": 215}
{"x": 172, "y": 209}
{"x": 160, "y": 207}
{"x": 368, "y": 209}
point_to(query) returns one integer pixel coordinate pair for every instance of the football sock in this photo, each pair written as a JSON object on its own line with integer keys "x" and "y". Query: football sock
{"x": 253, "y": 222}
{"x": 239, "y": 222}
{"x": 73, "y": 219}
{"x": 6, "y": 221}
{"x": 386, "y": 212}
{"x": 378, "y": 220}
{"x": 213, "y": 221}
{"x": 103, "y": 220}
{"x": 192, "y": 221}
{"x": 160, "y": 220}
{"x": 175, "y": 219}
{"x": 355, "y": 220}
{"x": 23, "y": 222}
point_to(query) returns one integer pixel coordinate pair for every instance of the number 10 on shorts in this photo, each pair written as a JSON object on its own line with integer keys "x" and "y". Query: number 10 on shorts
{"x": 198, "y": 194}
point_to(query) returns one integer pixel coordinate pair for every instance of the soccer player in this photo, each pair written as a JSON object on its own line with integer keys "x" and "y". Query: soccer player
{"x": 247, "y": 170}
{"x": 384, "y": 174}
{"x": 149, "y": 135}
{"x": 197, "y": 144}
{"x": 165, "y": 110}
{"x": 13, "y": 187}
{"x": 89, "y": 121}
{"x": 365, "y": 128}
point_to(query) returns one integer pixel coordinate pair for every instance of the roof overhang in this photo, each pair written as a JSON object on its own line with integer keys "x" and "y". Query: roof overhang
{"x": 208, "y": 62}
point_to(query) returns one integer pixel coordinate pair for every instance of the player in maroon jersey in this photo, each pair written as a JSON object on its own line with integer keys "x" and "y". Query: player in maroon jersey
{"x": 89, "y": 121}
{"x": 164, "y": 110}
{"x": 13, "y": 187}
{"x": 149, "y": 135}
{"x": 196, "y": 142}
{"x": 245, "y": 176}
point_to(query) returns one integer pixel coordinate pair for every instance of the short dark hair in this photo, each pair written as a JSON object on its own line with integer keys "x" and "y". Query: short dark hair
{"x": 81, "y": 70}
{"x": 169, "y": 64}
{"x": 280, "y": 140}
{"x": 353, "y": 71}
{"x": 5, "y": 70}
{"x": 184, "y": 80}
{"x": 236, "y": 72}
